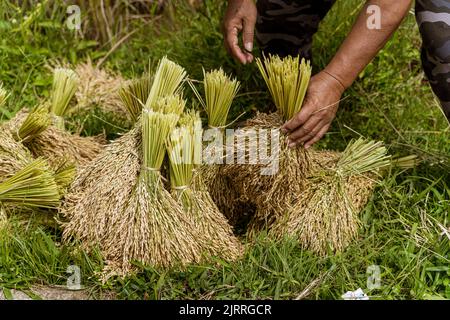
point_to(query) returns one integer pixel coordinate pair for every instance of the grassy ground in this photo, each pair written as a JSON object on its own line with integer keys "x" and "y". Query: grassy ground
{"x": 391, "y": 100}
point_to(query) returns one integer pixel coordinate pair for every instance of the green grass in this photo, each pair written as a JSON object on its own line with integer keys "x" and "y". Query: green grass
{"x": 390, "y": 101}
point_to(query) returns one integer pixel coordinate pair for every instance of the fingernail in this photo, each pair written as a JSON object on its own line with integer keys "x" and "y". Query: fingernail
{"x": 248, "y": 46}
{"x": 283, "y": 130}
{"x": 307, "y": 147}
{"x": 292, "y": 144}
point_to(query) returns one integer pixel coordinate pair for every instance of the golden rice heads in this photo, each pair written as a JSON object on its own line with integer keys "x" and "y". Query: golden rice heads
{"x": 326, "y": 215}
{"x": 101, "y": 189}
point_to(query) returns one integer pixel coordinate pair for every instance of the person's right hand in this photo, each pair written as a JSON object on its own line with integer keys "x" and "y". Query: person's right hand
{"x": 240, "y": 17}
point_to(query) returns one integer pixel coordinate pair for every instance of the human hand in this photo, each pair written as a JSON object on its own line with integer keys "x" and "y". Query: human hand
{"x": 240, "y": 17}
{"x": 318, "y": 111}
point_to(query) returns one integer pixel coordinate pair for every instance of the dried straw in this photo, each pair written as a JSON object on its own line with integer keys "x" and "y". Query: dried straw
{"x": 185, "y": 148}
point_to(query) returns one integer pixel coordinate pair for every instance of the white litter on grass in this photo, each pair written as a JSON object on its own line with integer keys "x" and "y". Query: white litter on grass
{"x": 355, "y": 295}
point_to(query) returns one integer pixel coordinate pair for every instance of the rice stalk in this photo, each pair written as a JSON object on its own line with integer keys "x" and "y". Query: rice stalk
{"x": 185, "y": 146}
{"x": 65, "y": 83}
{"x": 32, "y": 186}
{"x": 287, "y": 79}
{"x": 135, "y": 94}
{"x": 35, "y": 123}
{"x": 167, "y": 81}
{"x": 3, "y": 221}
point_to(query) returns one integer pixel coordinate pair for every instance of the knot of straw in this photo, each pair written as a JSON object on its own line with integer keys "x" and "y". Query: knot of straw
{"x": 180, "y": 188}
{"x": 152, "y": 169}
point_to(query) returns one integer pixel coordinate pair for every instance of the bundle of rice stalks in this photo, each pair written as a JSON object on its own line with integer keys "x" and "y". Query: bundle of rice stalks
{"x": 32, "y": 186}
{"x": 167, "y": 81}
{"x": 325, "y": 216}
{"x": 220, "y": 91}
{"x": 100, "y": 88}
{"x": 134, "y": 95}
{"x": 272, "y": 190}
{"x": 185, "y": 150}
{"x": 36, "y": 122}
{"x": 65, "y": 83}
{"x": 53, "y": 142}
{"x": 119, "y": 203}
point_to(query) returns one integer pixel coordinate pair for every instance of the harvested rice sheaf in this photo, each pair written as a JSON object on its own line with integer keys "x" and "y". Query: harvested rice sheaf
{"x": 185, "y": 149}
{"x": 271, "y": 191}
{"x": 51, "y": 141}
{"x": 119, "y": 203}
{"x": 220, "y": 91}
{"x": 57, "y": 145}
{"x": 325, "y": 216}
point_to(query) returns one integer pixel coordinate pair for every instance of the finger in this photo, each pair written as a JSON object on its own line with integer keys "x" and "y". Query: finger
{"x": 247, "y": 37}
{"x": 313, "y": 132}
{"x": 233, "y": 44}
{"x": 299, "y": 119}
{"x": 306, "y": 131}
{"x": 317, "y": 137}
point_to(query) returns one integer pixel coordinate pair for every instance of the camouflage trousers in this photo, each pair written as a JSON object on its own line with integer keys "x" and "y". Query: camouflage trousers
{"x": 287, "y": 27}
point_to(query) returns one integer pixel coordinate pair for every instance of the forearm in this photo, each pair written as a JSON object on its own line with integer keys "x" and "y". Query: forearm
{"x": 362, "y": 44}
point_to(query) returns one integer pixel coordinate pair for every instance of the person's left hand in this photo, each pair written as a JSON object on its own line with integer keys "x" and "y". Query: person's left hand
{"x": 318, "y": 111}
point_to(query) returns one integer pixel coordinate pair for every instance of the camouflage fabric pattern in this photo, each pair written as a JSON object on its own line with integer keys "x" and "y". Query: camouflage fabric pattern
{"x": 287, "y": 27}
{"x": 433, "y": 18}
